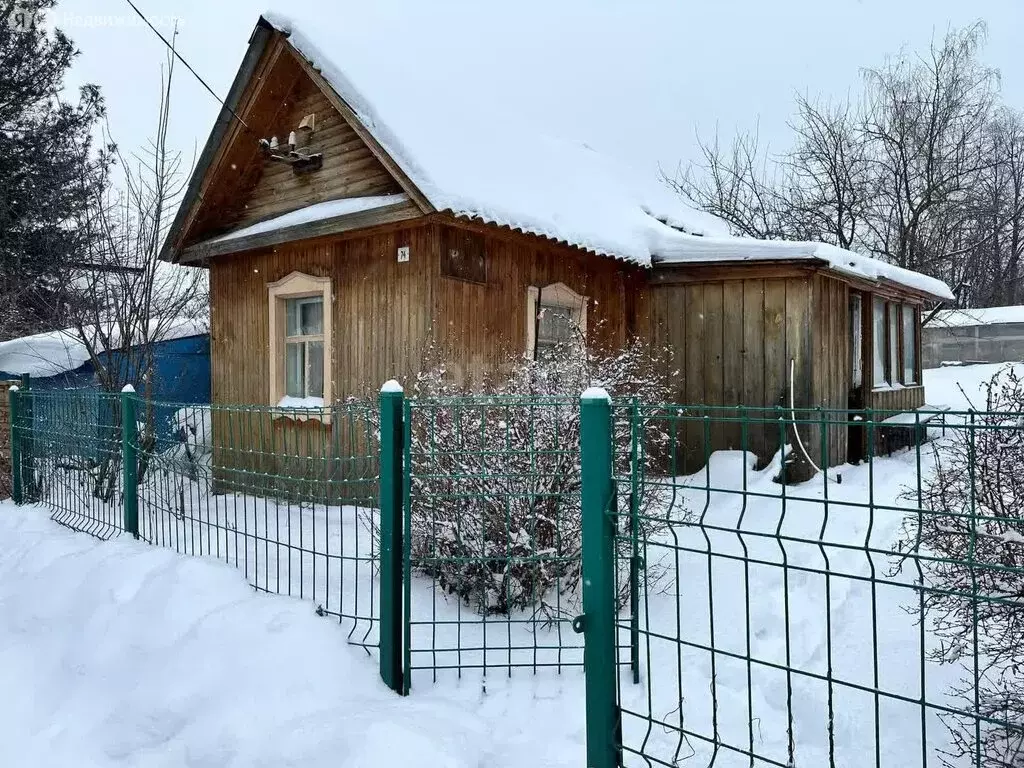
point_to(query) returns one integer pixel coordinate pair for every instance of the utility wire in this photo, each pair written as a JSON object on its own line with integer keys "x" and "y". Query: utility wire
{"x": 188, "y": 66}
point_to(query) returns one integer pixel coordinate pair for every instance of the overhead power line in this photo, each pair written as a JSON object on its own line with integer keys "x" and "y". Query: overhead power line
{"x": 188, "y": 66}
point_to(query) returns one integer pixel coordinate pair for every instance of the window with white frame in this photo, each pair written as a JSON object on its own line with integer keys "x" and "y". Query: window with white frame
{"x": 555, "y": 316}
{"x": 896, "y": 353}
{"x": 856, "y": 340}
{"x": 304, "y": 347}
{"x": 909, "y": 344}
{"x": 893, "y": 316}
{"x": 880, "y": 376}
{"x": 300, "y": 341}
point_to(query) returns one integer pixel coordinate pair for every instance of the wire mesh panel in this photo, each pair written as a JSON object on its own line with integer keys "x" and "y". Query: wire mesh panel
{"x": 71, "y": 457}
{"x": 492, "y": 517}
{"x": 287, "y": 497}
{"x": 867, "y": 616}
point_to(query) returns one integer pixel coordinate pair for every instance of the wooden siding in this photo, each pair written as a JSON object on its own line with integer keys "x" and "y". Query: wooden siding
{"x": 478, "y": 327}
{"x": 901, "y": 399}
{"x": 389, "y": 318}
{"x": 832, "y": 368}
{"x": 382, "y": 311}
{"x": 349, "y": 169}
{"x": 243, "y": 187}
{"x": 733, "y": 340}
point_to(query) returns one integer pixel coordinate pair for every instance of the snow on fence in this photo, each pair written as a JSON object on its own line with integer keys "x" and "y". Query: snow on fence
{"x": 867, "y": 616}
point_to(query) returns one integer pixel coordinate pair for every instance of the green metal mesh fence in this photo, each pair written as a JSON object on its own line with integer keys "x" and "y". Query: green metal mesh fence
{"x": 288, "y": 499}
{"x": 492, "y": 518}
{"x": 771, "y": 606}
{"x": 869, "y": 616}
{"x": 71, "y": 457}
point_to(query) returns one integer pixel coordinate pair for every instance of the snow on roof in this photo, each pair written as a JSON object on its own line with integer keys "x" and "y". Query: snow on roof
{"x": 678, "y": 248}
{"x": 966, "y": 318}
{"x": 318, "y": 212}
{"x": 480, "y": 165}
{"x": 468, "y": 157}
{"x": 57, "y": 352}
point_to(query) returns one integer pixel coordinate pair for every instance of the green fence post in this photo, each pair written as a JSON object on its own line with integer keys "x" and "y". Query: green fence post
{"x": 598, "y": 621}
{"x": 130, "y": 459}
{"x": 26, "y": 412}
{"x": 391, "y": 483}
{"x": 14, "y": 400}
{"x": 634, "y": 535}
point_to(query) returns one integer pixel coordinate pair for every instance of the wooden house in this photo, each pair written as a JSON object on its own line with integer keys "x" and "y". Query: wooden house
{"x": 346, "y": 233}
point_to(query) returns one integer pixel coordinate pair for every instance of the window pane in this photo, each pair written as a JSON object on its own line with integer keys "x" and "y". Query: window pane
{"x": 557, "y": 325}
{"x": 312, "y": 317}
{"x": 304, "y": 317}
{"x": 293, "y": 326}
{"x": 909, "y": 345}
{"x": 315, "y": 350}
{"x": 894, "y": 343}
{"x": 295, "y": 370}
{"x": 545, "y": 351}
{"x": 878, "y": 340}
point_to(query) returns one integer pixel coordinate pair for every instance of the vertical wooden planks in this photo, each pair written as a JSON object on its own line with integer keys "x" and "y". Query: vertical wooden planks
{"x": 753, "y": 393}
{"x": 733, "y": 358}
{"x": 696, "y": 375}
{"x": 775, "y": 360}
{"x": 714, "y": 384}
{"x": 797, "y": 373}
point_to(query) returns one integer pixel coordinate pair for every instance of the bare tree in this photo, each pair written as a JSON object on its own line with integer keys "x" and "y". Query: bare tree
{"x": 827, "y": 191}
{"x": 924, "y": 129}
{"x": 121, "y": 299}
{"x": 740, "y": 185}
{"x": 923, "y": 170}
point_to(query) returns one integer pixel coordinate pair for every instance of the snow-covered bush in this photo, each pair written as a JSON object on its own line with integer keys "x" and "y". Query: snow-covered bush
{"x": 972, "y": 532}
{"x": 495, "y": 488}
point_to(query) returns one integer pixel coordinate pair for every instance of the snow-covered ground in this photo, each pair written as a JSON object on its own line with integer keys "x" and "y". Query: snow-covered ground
{"x": 123, "y": 653}
{"x": 962, "y": 387}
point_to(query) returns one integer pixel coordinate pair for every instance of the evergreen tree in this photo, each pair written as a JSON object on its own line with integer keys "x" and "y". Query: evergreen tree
{"x": 49, "y": 168}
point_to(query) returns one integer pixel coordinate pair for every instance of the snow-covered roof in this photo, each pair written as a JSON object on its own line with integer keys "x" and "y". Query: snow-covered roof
{"x": 966, "y": 318}
{"x": 680, "y": 248}
{"x": 312, "y": 213}
{"x": 496, "y": 168}
{"x": 56, "y": 352}
{"x": 466, "y": 157}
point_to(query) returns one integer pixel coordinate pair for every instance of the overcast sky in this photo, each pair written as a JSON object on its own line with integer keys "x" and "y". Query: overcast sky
{"x": 600, "y": 71}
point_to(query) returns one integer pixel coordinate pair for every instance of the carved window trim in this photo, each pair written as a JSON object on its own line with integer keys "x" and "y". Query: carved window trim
{"x": 298, "y": 285}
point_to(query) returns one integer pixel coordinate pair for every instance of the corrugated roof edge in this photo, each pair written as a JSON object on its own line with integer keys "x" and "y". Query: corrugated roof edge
{"x": 685, "y": 249}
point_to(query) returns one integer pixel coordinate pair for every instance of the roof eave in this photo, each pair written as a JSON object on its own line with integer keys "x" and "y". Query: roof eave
{"x": 201, "y": 253}
{"x": 814, "y": 264}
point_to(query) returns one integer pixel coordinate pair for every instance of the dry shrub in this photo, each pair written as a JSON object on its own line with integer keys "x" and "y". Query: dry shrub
{"x": 972, "y": 529}
{"x": 495, "y": 488}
